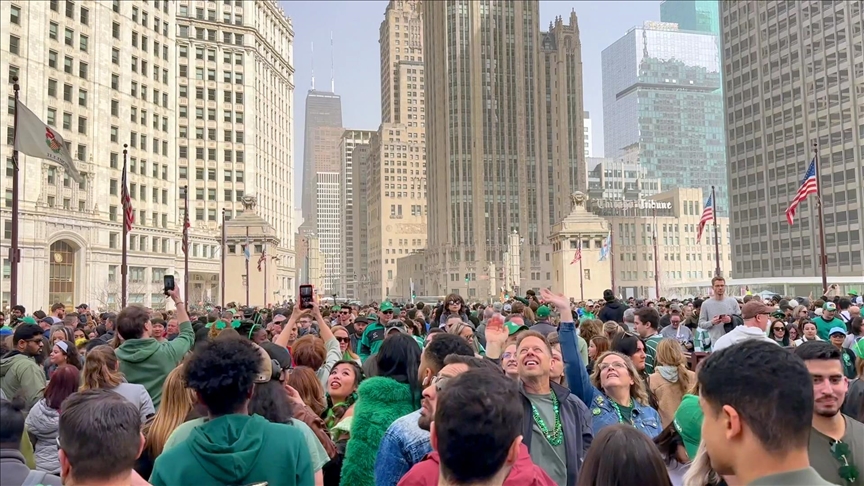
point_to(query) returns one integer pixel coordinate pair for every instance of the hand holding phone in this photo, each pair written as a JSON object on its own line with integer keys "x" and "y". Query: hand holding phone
{"x": 169, "y": 284}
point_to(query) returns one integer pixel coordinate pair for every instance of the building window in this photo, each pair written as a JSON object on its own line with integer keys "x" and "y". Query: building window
{"x": 14, "y": 44}
{"x": 15, "y": 15}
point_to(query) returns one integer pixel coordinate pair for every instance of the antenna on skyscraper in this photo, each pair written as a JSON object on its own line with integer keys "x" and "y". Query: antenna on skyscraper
{"x": 332, "y": 79}
{"x": 313, "y": 64}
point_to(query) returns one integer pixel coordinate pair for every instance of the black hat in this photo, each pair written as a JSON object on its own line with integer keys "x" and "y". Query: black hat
{"x": 82, "y": 306}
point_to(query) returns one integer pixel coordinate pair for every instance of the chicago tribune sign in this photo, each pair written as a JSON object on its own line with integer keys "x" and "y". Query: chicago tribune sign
{"x": 628, "y": 205}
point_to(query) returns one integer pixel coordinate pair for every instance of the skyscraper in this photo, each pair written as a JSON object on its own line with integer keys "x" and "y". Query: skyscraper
{"x": 589, "y": 136}
{"x": 143, "y": 73}
{"x": 352, "y": 140}
{"x": 323, "y": 132}
{"x": 506, "y": 141}
{"x": 695, "y": 15}
{"x": 395, "y": 176}
{"x": 662, "y": 96}
{"x": 794, "y": 75}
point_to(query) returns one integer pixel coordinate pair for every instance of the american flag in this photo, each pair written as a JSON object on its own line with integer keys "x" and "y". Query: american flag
{"x": 263, "y": 259}
{"x": 809, "y": 185}
{"x": 578, "y": 256}
{"x": 186, "y": 226}
{"x": 707, "y": 215}
{"x": 128, "y": 211}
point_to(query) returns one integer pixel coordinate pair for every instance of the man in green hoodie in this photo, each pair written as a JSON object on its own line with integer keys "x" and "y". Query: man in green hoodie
{"x": 20, "y": 375}
{"x": 373, "y": 335}
{"x": 233, "y": 447}
{"x": 144, "y": 360}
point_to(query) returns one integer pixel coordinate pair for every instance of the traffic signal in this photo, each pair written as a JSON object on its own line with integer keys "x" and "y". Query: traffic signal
{"x": 466, "y": 278}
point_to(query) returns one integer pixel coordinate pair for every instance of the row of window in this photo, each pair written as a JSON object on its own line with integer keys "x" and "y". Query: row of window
{"x": 229, "y": 155}
{"x": 210, "y": 174}
{"x": 228, "y": 57}
{"x": 183, "y": 11}
{"x": 68, "y": 64}
{"x": 210, "y": 35}
{"x": 68, "y": 37}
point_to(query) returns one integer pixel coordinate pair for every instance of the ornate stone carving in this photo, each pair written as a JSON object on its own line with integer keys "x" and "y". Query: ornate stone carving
{"x": 249, "y": 202}
{"x": 578, "y": 199}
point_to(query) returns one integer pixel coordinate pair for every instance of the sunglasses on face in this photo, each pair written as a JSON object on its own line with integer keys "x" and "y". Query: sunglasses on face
{"x": 779, "y": 328}
{"x": 439, "y": 381}
{"x": 387, "y": 312}
{"x": 345, "y": 313}
{"x": 455, "y": 302}
{"x": 343, "y": 339}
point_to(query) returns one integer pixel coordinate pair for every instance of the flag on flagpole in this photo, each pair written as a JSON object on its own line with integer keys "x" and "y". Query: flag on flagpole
{"x": 578, "y": 256}
{"x": 246, "y": 251}
{"x": 128, "y": 211}
{"x": 607, "y": 243}
{"x": 263, "y": 259}
{"x": 186, "y": 226}
{"x": 809, "y": 185}
{"x": 707, "y": 215}
{"x": 36, "y": 139}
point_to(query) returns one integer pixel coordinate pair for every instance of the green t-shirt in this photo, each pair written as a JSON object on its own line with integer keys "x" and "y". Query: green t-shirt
{"x": 626, "y": 412}
{"x": 316, "y": 450}
{"x": 552, "y": 459}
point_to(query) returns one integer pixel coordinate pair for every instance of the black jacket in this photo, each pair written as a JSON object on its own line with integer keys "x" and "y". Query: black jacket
{"x": 576, "y": 421}
{"x": 613, "y": 311}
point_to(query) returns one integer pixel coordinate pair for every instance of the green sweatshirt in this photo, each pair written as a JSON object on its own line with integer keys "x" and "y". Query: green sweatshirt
{"x": 147, "y": 361}
{"x": 21, "y": 376}
{"x": 371, "y": 341}
{"x": 237, "y": 449}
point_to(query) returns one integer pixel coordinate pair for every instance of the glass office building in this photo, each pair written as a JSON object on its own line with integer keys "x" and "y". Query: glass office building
{"x": 662, "y": 98}
{"x": 695, "y": 15}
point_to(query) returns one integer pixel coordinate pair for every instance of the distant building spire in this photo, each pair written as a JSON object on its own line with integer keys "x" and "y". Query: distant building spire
{"x": 332, "y": 79}
{"x": 313, "y": 65}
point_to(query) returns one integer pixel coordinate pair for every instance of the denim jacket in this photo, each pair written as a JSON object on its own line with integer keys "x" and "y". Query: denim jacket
{"x": 403, "y": 445}
{"x": 644, "y": 417}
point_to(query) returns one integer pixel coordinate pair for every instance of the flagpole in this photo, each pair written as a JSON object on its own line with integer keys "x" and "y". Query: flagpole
{"x": 124, "y": 248}
{"x": 656, "y": 262}
{"x": 222, "y": 270}
{"x": 581, "y": 284}
{"x": 717, "y": 271}
{"x": 264, "y": 252}
{"x": 823, "y": 258}
{"x": 186, "y": 253}
{"x": 612, "y": 261}
{"x": 247, "y": 255}
{"x": 14, "y": 252}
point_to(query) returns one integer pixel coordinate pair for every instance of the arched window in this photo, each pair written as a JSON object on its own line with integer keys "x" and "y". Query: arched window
{"x": 61, "y": 280}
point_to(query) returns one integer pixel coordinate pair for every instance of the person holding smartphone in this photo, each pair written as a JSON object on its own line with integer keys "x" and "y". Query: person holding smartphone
{"x": 717, "y": 311}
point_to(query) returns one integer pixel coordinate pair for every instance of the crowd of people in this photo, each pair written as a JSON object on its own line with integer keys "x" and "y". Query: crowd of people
{"x": 539, "y": 390}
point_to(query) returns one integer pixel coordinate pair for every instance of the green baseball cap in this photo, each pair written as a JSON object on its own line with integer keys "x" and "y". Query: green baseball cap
{"x": 335, "y": 308}
{"x": 385, "y": 306}
{"x": 829, "y": 306}
{"x": 688, "y": 423}
{"x": 28, "y": 320}
{"x": 513, "y": 328}
{"x": 853, "y": 293}
{"x": 543, "y": 311}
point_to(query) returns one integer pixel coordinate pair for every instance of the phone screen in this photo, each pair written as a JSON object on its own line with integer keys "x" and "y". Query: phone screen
{"x": 169, "y": 283}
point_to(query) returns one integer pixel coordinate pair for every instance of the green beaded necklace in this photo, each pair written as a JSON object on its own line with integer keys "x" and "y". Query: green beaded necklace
{"x": 556, "y": 437}
{"x": 618, "y": 411}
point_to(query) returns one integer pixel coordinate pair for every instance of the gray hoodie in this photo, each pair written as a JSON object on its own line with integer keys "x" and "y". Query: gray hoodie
{"x": 43, "y": 422}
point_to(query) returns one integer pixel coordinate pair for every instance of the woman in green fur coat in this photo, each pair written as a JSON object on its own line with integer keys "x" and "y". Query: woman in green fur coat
{"x": 380, "y": 401}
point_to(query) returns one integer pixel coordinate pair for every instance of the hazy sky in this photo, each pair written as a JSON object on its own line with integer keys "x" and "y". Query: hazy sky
{"x": 356, "y": 55}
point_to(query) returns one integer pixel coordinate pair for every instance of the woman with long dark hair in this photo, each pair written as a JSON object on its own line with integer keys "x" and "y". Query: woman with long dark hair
{"x": 622, "y": 456}
{"x": 382, "y": 399}
{"x": 454, "y": 305}
{"x": 43, "y": 420}
{"x": 779, "y": 333}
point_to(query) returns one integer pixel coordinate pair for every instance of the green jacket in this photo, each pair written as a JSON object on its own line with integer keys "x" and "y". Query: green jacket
{"x": 237, "y": 450}
{"x": 147, "y": 361}
{"x": 21, "y": 376}
{"x": 371, "y": 341}
{"x": 380, "y": 401}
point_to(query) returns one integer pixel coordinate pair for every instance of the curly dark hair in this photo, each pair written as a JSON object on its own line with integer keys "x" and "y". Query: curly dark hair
{"x": 223, "y": 373}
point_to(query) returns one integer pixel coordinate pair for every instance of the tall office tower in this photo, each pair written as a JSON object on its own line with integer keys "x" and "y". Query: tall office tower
{"x": 359, "y": 261}
{"x": 102, "y": 74}
{"x": 695, "y": 15}
{"x": 329, "y": 212}
{"x": 506, "y": 141}
{"x": 320, "y": 145}
{"x": 589, "y": 136}
{"x": 352, "y": 140}
{"x": 794, "y": 74}
{"x": 235, "y": 92}
{"x": 396, "y": 170}
{"x": 662, "y": 96}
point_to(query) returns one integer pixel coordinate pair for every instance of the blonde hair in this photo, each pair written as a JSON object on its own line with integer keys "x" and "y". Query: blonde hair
{"x": 177, "y": 402}
{"x": 457, "y": 331}
{"x": 669, "y": 354}
{"x": 610, "y": 329}
{"x": 637, "y": 389}
{"x": 100, "y": 369}
{"x": 700, "y": 472}
{"x": 350, "y": 347}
